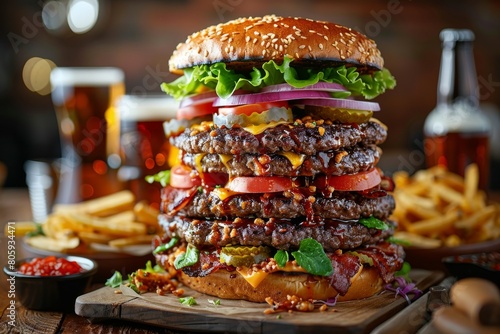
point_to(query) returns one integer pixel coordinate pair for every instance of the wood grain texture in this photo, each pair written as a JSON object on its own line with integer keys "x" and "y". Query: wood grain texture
{"x": 236, "y": 316}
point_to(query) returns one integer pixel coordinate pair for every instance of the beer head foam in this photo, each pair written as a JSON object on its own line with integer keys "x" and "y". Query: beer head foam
{"x": 86, "y": 76}
{"x": 147, "y": 108}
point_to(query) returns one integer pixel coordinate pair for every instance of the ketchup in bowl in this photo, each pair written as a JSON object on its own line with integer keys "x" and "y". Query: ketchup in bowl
{"x": 50, "y": 266}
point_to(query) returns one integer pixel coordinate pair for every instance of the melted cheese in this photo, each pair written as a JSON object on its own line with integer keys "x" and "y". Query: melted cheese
{"x": 197, "y": 163}
{"x": 174, "y": 156}
{"x": 224, "y": 158}
{"x": 256, "y": 129}
{"x": 295, "y": 159}
{"x": 223, "y": 193}
{"x": 254, "y": 278}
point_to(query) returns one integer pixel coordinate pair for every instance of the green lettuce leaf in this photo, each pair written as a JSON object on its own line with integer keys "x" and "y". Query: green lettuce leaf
{"x": 225, "y": 81}
{"x": 372, "y": 222}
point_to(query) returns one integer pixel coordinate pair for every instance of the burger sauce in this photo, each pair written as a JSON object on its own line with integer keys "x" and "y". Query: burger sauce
{"x": 456, "y": 131}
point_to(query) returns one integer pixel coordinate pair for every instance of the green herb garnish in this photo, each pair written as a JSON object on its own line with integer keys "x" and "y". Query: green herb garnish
{"x": 281, "y": 257}
{"x": 188, "y": 258}
{"x": 311, "y": 256}
{"x": 375, "y": 223}
{"x": 189, "y": 301}
{"x": 114, "y": 281}
{"x": 164, "y": 247}
{"x": 163, "y": 177}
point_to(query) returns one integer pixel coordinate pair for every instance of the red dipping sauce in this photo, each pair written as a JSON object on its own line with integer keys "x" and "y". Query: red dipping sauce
{"x": 50, "y": 266}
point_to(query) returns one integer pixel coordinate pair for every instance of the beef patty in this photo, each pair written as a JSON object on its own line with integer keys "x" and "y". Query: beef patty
{"x": 351, "y": 160}
{"x": 340, "y": 205}
{"x": 280, "y": 234}
{"x": 288, "y": 138}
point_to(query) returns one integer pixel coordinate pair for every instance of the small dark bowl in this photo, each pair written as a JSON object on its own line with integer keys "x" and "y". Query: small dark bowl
{"x": 52, "y": 293}
{"x": 482, "y": 265}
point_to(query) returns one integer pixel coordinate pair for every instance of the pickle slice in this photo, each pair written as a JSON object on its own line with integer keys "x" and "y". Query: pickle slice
{"x": 265, "y": 117}
{"x": 341, "y": 115}
{"x": 244, "y": 256}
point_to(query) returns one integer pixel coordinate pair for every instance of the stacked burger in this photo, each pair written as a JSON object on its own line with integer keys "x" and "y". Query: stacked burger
{"x": 275, "y": 190}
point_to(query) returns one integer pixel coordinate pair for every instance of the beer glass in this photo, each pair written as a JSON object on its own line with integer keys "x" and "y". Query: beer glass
{"x": 84, "y": 101}
{"x": 145, "y": 148}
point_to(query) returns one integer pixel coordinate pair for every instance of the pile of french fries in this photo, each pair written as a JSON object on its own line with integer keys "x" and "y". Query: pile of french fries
{"x": 437, "y": 208}
{"x": 114, "y": 220}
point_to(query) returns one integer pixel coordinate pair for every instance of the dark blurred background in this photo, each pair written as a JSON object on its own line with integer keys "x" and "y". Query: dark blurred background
{"x": 139, "y": 36}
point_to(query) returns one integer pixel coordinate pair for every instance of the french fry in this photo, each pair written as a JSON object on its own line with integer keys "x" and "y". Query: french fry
{"x": 471, "y": 183}
{"x": 477, "y": 218}
{"x": 22, "y": 228}
{"x": 98, "y": 238}
{"x": 110, "y": 220}
{"x": 434, "y": 225}
{"x": 146, "y": 214}
{"x": 125, "y": 216}
{"x": 102, "y": 206}
{"x": 416, "y": 240}
{"x": 54, "y": 245}
{"x": 123, "y": 229}
{"x": 135, "y": 240}
{"x": 435, "y": 204}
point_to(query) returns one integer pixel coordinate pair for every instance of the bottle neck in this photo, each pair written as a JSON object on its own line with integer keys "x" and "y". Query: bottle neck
{"x": 457, "y": 76}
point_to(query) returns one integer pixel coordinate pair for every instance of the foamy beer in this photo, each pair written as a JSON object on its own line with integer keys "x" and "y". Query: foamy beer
{"x": 84, "y": 100}
{"x": 145, "y": 148}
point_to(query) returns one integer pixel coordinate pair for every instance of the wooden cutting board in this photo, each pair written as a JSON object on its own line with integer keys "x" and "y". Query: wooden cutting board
{"x": 236, "y": 316}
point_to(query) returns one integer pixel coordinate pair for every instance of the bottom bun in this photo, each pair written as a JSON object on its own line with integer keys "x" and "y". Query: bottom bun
{"x": 231, "y": 285}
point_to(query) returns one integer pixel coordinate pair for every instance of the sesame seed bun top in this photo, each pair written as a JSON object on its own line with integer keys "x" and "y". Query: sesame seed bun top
{"x": 248, "y": 42}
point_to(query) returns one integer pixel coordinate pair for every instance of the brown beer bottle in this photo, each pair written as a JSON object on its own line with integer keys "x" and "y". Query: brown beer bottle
{"x": 456, "y": 131}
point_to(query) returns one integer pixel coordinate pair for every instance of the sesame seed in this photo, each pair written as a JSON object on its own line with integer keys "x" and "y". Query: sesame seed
{"x": 325, "y": 37}
{"x": 325, "y": 26}
{"x": 302, "y": 46}
{"x": 247, "y": 39}
{"x": 320, "y": 46}
{"x": 256, "y": 33}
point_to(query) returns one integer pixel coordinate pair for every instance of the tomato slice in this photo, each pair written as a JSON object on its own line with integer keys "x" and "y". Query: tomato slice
{"x": 354, "y": 182}
{"x": 249, "y": 109}
{"x": 215, "y": 179}
{"x": 260, "y": 184}
{"x": 196, "y": 110}
{"x": 182, "y": 177}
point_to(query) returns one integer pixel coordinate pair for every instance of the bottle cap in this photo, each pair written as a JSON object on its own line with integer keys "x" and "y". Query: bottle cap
{"x": 456, "y": 35}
